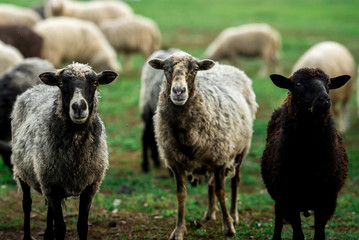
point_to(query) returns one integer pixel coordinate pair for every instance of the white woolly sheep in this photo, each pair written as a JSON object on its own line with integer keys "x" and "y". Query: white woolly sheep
{"x": 334, "y": 59}
{"x": 132, "y": 35}
{"x": 70, "y": 39}
{"x": 9, "y": 56}
{"x": 13, "y": 82}
{"x": 11, "y": 14}
{"x": 203, "y": 126}
{"x": 249, "y": 40}
{"x": 59, "y": 144}
{"x": 151, "y": 81}
{"x": 304, "y": 164}
{"x": 94, "y": 11}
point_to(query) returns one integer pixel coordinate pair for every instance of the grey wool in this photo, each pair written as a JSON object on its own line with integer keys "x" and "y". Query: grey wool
{"x": 59, "y": 142}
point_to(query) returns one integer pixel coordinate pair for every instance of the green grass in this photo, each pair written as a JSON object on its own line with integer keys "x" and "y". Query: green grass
{"x": 191, "y": 25}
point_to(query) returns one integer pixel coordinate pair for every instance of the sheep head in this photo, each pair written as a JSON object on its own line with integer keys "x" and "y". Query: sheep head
{"x": 78, "y": 84}
{"x": 180, "y": 70}
{"x": 309, "y": 88}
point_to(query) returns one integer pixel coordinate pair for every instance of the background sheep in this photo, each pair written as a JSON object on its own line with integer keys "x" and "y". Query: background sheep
{"x": 94, "y": 11}
{"x": 70, "y": 39}
{"x": 9, "y": 56}
{"x": 11, "y": 14}
{"x": 13, "y": 82}
{"x": 59, "y": 144}
{"x": 23, "y": 38}
{"x": 249, "y": 40}
{"x": 304, "y": 163}
{"x": 334, "y": 59}
{"x": 131, "y": 35}
{"x": 151, "y": 81}
{"x": 203, "y": 125}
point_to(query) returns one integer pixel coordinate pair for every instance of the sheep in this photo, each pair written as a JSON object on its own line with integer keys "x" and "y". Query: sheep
{"x": 249, "y": 40}
{"x": 22, "y": 37}
{"x": 12, "y": 83}
{"x": 334, "y": 59}
{"x": 9, "y": 56}
{"x": 131, "y": 35}
{"x": 11, "y": 14}
{"x": 304, "y": 163}
{"x": 94, "y": 11}
{"x": 203, "y": 126}
{"x": 70, "y": 39}
{"x": 59, "y": 144}
{"x": 151, "y": 81}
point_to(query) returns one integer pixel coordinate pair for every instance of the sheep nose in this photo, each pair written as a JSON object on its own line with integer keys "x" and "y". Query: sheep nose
{"x": 324, "y": 99}
{"x": 178, "y": 90}
{"x": 79, "y": 106}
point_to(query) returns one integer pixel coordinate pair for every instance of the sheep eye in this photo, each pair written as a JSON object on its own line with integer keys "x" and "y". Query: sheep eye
{"x": 298, "y": 84}
{"x": 60, "y": 84}
{"x": 95, "y": 84}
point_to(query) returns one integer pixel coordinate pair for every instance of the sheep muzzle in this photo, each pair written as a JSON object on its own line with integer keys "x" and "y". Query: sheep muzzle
{"x": 79, "y": 111}
{"x": 179, "y": 93}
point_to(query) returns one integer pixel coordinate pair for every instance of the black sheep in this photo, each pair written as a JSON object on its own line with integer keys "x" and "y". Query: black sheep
{"x": 304, "y": 164}
{"x": 23, "y": 38}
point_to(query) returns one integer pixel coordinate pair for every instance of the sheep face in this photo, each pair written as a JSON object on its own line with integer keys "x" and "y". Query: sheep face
{"x": 180, "y": 70}
{"x": 78, "y": 84}
{"x": 310, "y": 87}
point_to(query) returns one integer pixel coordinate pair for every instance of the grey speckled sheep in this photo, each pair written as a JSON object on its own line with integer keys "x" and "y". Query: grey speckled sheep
{"x": 151, "y": 81}
{"x": 9, "y": 56}
{"x": 71, "y": 39}
{"x": 334, "y": 59}
{"x": 249, "y": 40}
{"x": 132, "y": 35}
{"x": 203, "y": 126}
{"x": 13, "y": 82}
{"x": 59, "y": 144}
{"x": 93, "y": 11}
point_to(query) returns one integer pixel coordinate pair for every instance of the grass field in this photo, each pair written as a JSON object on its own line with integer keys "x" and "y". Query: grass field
{"x": 133, "y": 205}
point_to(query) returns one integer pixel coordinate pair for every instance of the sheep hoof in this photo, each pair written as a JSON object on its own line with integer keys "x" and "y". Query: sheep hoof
{"x": 210, "y": 215}
{"x": 235, "y": 218}
{"x": 228, "y": 230}
{"x": 178, "y": 233}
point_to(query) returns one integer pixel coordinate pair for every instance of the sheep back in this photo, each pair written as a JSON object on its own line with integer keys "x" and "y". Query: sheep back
{"x": 11, "y": 14}
{"x": 136, "y": 34}
{"x": 213, "y": 126}
{"x": 70, "y": 39}
{"x": 47, "y": 151}
{"x": 250, "y": 40}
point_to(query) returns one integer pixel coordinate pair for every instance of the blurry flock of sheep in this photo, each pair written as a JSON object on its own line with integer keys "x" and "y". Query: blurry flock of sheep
{"x": 198, "y": 114}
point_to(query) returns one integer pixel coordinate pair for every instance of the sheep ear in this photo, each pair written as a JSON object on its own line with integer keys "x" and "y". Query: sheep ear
{"x": 156, "y": 63}
{"x": 49, "y": 78}
{"x": 338, "y": 82}
{"x": 106, "y": 77}
{"x": 205, "y": 64}
{"x": 281, "y": 81}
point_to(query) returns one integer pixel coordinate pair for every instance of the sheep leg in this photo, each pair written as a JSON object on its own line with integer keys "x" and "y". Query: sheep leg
{"x": 322, "y": 216}
{"x": 212, "y": 209}
{"x": 278, "y": 224}
{"x": 54, "y": 203}
{"x": 84, "y": 209}
{"x": 234, "y": 187}
{"x": 127, "y": 62}
{"x": 180, "y": 178}
{"x": 145, "y": 139}
{"x": 49, "y": 232}
{"x": 154, "y": 150}
{"x": 293, "y": 218}
{"x": 26, "y": 206}
{"x": 227, "y": 221}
